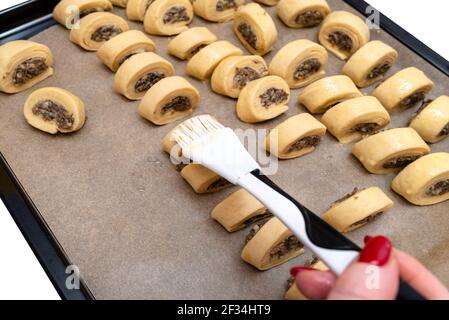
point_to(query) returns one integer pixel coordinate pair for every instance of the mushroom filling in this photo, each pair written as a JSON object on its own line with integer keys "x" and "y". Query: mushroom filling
{"x": 248, "y": 34}
{"x": 400, "y": 162}
{"x": 217, "y": 184}
{"x": 29, "y": 69}
{"x": 366, "y": 220}
{"x": 341, "y": 40}
{"x": 197, "y": 49}
{"x": 148, "y": 80}
{"x": 130, "y": 54}
{"x": 223, "y": 5}
{"x": 106, "y": 32}
{"x": 290, "y": 281}
{"x": 444, "y": 131}
{"x": 310, "y": 141}
{"x": 264, "y": 215}
{"x": 178, "y": 104}
{"x": 246, "y": 74}
{"x": 412, "y": 99}
{"x": 306, "y": 68}
{"x": 438, "y": 189}
{"x": 50, "y": 110}
{"x": 379, "y": 70}
{"x": 273, "y": 96}
{"x": 286, "y": 246}
{"x": 366, "y": 128}
{"x": 175, "y": 14}
{"x": 424, "y": 104}
{"x": 256, "y": 227}
{"x": 85, "y": 12}
{"x": 309, "y": 18}
{"x": 346, "y": 196}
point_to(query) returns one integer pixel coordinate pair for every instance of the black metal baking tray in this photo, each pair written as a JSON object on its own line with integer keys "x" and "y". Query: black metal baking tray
{"x": 31, "y": 17}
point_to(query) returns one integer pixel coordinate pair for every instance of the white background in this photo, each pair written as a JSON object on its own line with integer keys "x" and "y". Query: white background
{"x": 21, "y": 276}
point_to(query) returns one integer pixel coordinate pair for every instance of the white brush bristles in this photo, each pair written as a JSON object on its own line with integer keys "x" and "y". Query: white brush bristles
{"x": 195, "y": 128}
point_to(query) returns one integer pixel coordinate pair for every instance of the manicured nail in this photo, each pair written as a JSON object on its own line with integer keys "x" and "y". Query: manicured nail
{"x": 366, "y": 239}
{"x": 377, "y": 251}
{"x": 295, "y": 270}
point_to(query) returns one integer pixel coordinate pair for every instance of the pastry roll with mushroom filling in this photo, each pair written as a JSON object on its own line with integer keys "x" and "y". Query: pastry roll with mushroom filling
{"x": 323, "y": 94}
{"x": 431, "y": 121}
{"x": 355, "y": 118}
{"x": 370, "y": 63}
{"x": 203, "y": 180}
{"x": 269, "y": 244}
{"x": 233, "y": 73}
{"x": 116, "y": 50}
{"x": 136, "y": 9}
{"x": 168, "y": 17}
{"x": 54, "y": 110}
{"x": 296, "y": 136}
{"x": 239, "y": 210}
{"x": 189, "y": 42}
{"x": 299, "y": 62}
{"x": 425, "y": 181}
{"x": 343, "y": 33}
{"x": 139, "y": 73}
{"x": 203, "y": 63}
{"x": 263, "y": 99}
{"x": 293, "y": 292}
{"x": 66, "y": 11}
{"x": 389, "y": 150}
{"x": 119, "y": 3}
{"x": 168, "y": 100}
{"x": 302, "y": 13}
{"x": 404, "y": 89}
{"x": 357, "y": 209}
{"x": 96, "y": 28}
{"x": 216, "y": 10}
{"x": 255, "y": 28}
{"x": 23, "y": 63}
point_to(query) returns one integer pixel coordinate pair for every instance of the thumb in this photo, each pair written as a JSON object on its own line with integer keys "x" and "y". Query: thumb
{"x": 375, "y": 276}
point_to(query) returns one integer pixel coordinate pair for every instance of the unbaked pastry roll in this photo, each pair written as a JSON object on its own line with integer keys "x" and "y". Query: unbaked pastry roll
{"x": 168, "y": 100}
{"x": 343, "y": 33}
{"x": 203, "y": 180}
{"x": 139, "y": 73}
{"x": 136, "y": 9}
{"x": 370, "y": 63}
{"x": 189, "y": 42}
{"x": 233, "y": 73}
{"x": 293, "y": 292}
{"x": 353, "y": 119}
{"x": 216, "y": 10}
{"x": 432, "y": 120}
{"x": 119, "y": 3}
{"x": 255, "y": 28}
{"x": 53, "y": 109}
{"x": 390, "y": 150}
{"x": 404, "y": 89}
{"x": 327, "y": 92}
{"x": 96, "y": 28}
{"x": 357, "y": 209}
{"x": 302, "y": 13}
{"x": 168, "y": 17}
{"x": 23, "y": 63}
{"x": 239, "y": 210}
{"x": 202, "y": 64}
{"x": 263, "y": 99}
{"x": 116, "y": 50}
{"x": 425, "y": 181}
{"x": 299, "y": 62}
{"x": 296, "y": 136}
{"x": 66, "y": 11}
{"x": 269, "y": 244}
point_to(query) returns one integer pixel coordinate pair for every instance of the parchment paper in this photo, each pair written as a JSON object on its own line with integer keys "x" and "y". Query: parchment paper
{"x": 132, "y": 225}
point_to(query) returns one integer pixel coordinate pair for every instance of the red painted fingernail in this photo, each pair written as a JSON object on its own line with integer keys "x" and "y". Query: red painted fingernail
{"x": 376, "y": 251}
{"x": 295, "y": 270}
{"x": 367, "y": 238}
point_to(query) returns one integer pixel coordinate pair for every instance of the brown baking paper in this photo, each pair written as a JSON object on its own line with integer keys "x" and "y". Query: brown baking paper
{"x": 136, "y": 229}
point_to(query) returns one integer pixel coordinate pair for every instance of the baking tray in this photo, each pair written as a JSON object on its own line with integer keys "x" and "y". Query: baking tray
{"x": 110, "y": 208}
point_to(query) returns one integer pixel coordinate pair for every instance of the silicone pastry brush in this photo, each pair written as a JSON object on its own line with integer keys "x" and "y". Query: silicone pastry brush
{"x": 207, "y": 142}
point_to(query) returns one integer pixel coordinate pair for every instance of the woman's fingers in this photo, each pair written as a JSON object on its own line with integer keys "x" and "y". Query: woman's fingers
{"x": 421, "y": 279}
{"x": 315, "y": 284}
